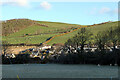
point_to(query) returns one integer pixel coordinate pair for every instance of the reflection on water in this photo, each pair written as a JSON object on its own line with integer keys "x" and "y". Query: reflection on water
{"x": 58, "y": 71}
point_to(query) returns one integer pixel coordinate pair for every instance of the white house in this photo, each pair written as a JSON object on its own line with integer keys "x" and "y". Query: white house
{"x": 45, "y": 47}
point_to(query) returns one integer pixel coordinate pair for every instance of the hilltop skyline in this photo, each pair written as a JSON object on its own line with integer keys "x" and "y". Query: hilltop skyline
{"x": 84, "y": 13}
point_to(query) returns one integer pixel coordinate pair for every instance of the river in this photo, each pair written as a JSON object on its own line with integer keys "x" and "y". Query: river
{"x": 58, "y": 71}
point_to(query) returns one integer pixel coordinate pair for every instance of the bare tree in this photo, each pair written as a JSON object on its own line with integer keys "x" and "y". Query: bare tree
{"x": 82, "y": 37}
{"x": 114, "y": 37}
{"x": 101, "y": 40}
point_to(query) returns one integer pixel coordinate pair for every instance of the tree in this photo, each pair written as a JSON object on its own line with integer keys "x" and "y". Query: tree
{"x": 82, "y": 38}
{"x": 101, "y": 40}
{"x": 114, "y": 37}
{"x": 70, "y": 42}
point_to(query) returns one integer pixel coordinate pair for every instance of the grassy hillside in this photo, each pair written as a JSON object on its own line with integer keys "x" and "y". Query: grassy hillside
{"x": 36, "y": 32}
{"x": 14, "y": 25}
{"x": 94, "y": 29}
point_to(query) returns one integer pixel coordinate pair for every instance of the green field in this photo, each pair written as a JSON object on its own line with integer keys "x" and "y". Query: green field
{"x": 93, "y": 29}
{"x": 36, "y": 34}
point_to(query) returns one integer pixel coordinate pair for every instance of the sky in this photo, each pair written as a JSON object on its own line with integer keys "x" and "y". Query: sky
{"x": 84, "y": 13}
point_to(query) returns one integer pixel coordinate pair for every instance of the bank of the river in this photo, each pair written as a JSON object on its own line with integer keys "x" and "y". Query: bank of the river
{"x": 58, "y": 71}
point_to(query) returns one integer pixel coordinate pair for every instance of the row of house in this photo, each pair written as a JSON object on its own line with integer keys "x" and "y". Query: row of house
{"x": 10, "y": 55}
{"x": 47, "y": 50}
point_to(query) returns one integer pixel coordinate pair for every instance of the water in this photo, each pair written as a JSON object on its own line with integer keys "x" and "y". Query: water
{"x": 58, "y": 71}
